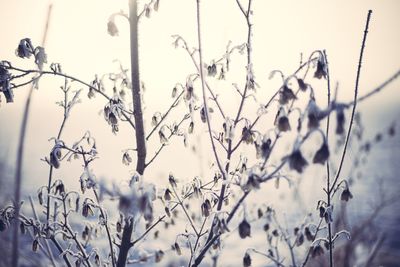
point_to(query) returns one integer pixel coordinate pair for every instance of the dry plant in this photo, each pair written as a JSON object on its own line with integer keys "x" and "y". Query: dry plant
{"x": 208, "y": 207}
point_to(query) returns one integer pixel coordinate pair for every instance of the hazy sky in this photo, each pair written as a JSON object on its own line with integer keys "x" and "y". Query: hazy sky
{"x": 283, "y": 30}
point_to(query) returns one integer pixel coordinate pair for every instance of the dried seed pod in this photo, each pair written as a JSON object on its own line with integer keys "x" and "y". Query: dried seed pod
{"x": 112, "y": 28}
{"x": 203, "y": 115}
{"x": 205, "y": 208}
{"x": 321, "y": 70}
{"x": 317, "y": 251}
{"x": 340, "y": 120}
{"x": 308, "y": 234}
{"x": 166, "y": 209}
{"x": 302, "y": 85}
{"x": 322, "y": 155}
{"x": 40, "y": 197}
{"x": 159, "y": 255}
{"x": 247, "y": 135}
{"x": 285, "y": 95}
{"x": 35, "y": 245}
{"x": 97, "y": 259}
{"x": 191, "y": 127}
{"x": 119, "y": 227}
{"x": 246, "y": 260}
{"x": 266, "y": 148}
{"x": 55, "y": 156}
{"x": 284, "y": 124}
{"x": 22, "y": 228}
{"x": 275, "y": 233}
{"x": 300, "y": 240}
{"x": 172, "y": 180}
{"x": 297, "y": 161}
{"x": 244, "y": 229}
{"x": 346, "y": 195}
{"x": 321, "y": 211}
{"x": 167, "y": 195}
{"x": 177, "y": 249}
{"x": 25, "y": 48}
{"x": 260, "y": 213}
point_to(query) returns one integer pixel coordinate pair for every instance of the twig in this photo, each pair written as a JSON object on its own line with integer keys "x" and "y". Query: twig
{"x": 354, "y": 104}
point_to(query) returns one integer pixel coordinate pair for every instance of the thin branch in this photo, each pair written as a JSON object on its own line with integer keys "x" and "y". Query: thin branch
{"x": 204, "y": 92}
{"x": 165, "y": 115}
{"x": 354, "y": 104}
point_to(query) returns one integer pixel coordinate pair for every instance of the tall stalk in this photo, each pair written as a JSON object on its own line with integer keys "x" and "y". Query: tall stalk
{"x": 126, "y": 243}
{"x": 20, "y": 156}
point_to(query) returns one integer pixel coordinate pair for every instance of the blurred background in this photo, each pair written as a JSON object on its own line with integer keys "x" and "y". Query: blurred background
{"x": 285, "y": 32}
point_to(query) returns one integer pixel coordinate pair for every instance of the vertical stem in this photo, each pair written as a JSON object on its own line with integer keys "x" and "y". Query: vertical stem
{"x": 328, "y": 176}
{"x": 354, "y": 102}
{"x": 126, "y": 243}
{"x": 20, "y": 155}
{"x": 136, "y": 94}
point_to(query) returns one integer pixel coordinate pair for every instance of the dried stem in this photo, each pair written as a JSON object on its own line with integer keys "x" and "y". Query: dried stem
{"x": 20, "y": 155}
{"x": 354, "y": 103}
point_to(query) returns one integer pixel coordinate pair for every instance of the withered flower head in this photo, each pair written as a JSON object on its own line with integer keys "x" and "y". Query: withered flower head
{"x": 283, "y": 124}
{"x": 315, "y": 114}
{"x": 246, "y": 260}
{"x": 297, "y": 161}
{"x": 206, "y": 208}
{"x": 253, "y": 182}
{"x": 126, "y": 158}
{"x": 203, "y": 115}
{"x": 189, "y": 90}
{"x": 177, "y": 248}
{"x": 340, "y": 120}
{"x": 146, "y": 207}
{"x": 317, "y": 251}
{"x": 212, "y": 70}
{"x": 285, "y": 95}
{"x": 346, "y": 195}
{"x": 35, "y": 245}
{"x": 266, "y": 148}
{"x": 112, "y": 28}
{"x": 300, "y": 240}
{"x": 172, "y": 180}
{"x": 40, "y": 57}
{"x": 167, "y": 195}
{"x": 308, "y": 234}
{"x": 25, "y": 48}
{"x": 244, "y": 229}
{"x": 321, "y": 211}
{"x": 247, "y": 135}
{"x": 321, "y": 70}
{"x": 302, "y": 85}
{"x": 322, "y": 154}
{"x": 159, "y": 255}
{"x": 5, "y": 83}
{"x": 55, "y": 156}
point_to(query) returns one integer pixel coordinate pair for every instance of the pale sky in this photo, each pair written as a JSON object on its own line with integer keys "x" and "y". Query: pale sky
{"x": 283, "y": 29}
{"x": 78, "y": 39}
